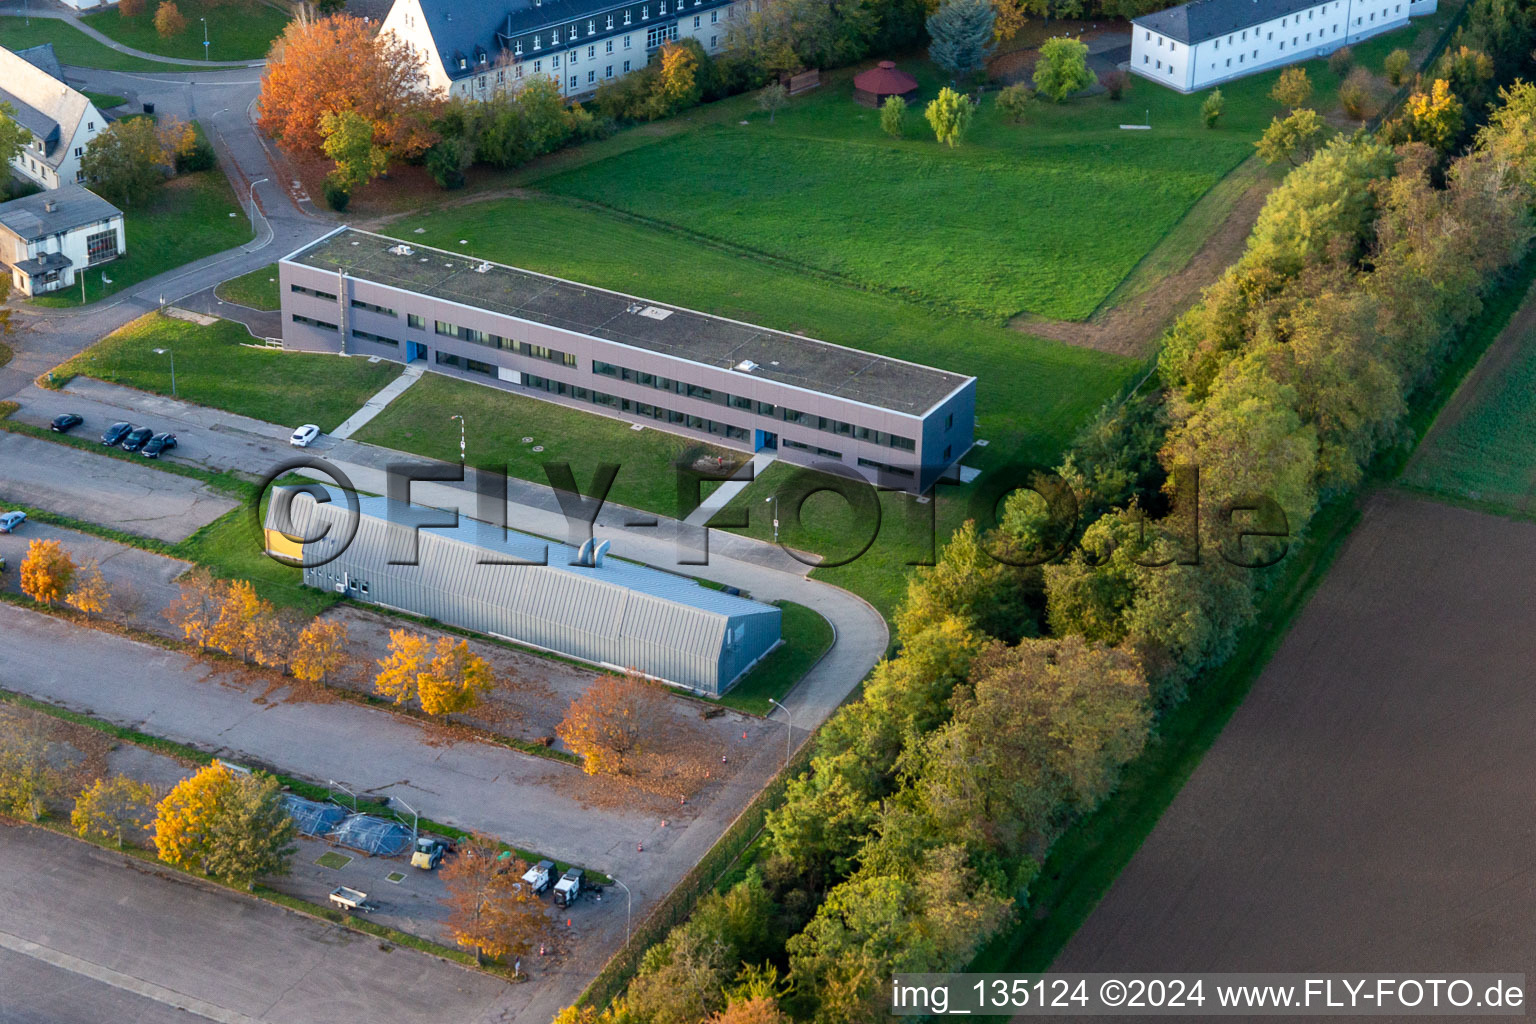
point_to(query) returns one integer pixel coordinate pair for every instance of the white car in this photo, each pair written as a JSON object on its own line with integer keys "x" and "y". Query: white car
{"x": 305, "y": 436}
{"x": 11, "y": 520}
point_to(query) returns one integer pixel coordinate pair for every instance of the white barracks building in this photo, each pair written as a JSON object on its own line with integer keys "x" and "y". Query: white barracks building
{"x": 476, "y": 50}
{"x": 1207, "y": 42}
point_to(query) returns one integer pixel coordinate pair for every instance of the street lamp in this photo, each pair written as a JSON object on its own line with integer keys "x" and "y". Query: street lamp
{"x": 258, "y": 181}
{"x": 775, "y": 500}
{"x": 456, "y": 416}
{"x": 205, "y": 37}
{"x": 629, "y": 906}
{"x": 168, "y": 352}
{"x": 789, "y": 728}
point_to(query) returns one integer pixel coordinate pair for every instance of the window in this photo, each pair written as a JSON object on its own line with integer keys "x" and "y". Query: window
{"x": 627, "y": 20}
{"x": 554, "y": 61}
{"x": 79, "y": 175}
{"x": 313, "y": 323}
{"x": 538, "y": 66}
{"x": 472, "y": 365}
{"x": 714, "y": 41}
{"x": 645, "y": 12}
{"x": 608, "y": 46}
{"x": 591, "y": 26}
{"x": 591, "y": 53}
{"x": 610, "y": 23}
{"x": 90, "y": 126}
{"x": 517, "y": 72}
{"x": 311, "y": 291}
{"x": 573, "y": 82}
{"x": 626, "y": 46}
{"x": 418, "y": 322}
{"x": 1159, "y": 65}
{"x": 575, "y": 56}
{"x": 697, "y": 21}
{"x": 101, "y": 246}
{"x": 517, "y": 48}
{"x": 714, "y": 17}
{"x": 376, "y": 338}
{"x": 360, "y": 304}
{"x": 79, "y": 151}
{"x": 626, "y": 67}
{"x": 608, "y": 71}
{"x": 1145, "y": 59}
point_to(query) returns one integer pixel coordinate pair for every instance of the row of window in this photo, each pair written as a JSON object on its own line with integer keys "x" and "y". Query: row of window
{"x": 461, "y": 363}
{"x": 322, "y": 324}
{"x": 624, "y": 405}
{"x": 300, "y": 289}
{"x": 573, "y": 32}
{"x": 1242, "y": 36}
{"x": 745, "y": 404}
{"x": 372, "y": 307}
{"x": 489, "y": 340}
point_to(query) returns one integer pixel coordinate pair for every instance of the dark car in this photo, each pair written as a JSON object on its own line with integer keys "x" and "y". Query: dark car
{"x": 157, "y": 444}
{"x": 67, "y": 421}
{"x": 115, "y": 433}
{"x": 137, "y": 438}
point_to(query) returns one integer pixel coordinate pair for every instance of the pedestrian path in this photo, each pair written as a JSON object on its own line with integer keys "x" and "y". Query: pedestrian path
{"x": 375, "y": 405}
{"x": 722, "y": 494}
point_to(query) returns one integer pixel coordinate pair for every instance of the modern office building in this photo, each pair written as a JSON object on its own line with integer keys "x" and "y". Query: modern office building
{"x": 896, "y": 423}
{"x": 478, "y": 50}
{"x": 581, "y": 604}
{"x": 1205, "y": 42}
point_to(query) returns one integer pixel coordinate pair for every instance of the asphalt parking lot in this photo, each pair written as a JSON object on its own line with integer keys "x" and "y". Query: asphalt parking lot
{"x": 113, "y": 492}
{"x": 1368, "y": 807}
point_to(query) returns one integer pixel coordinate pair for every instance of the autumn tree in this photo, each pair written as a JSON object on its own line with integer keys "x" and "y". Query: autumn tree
{"x": 132, "y": 156}
{"x": 609, "y": 723}
{"x": 1014, "y": 101}
{"x": 168, "y": 20}
{"x": 1396, "y": 66}
{"x": 1292, "y": 88}
{"x": 1291, "y": 139}
{"x": 195, "y": 610}
{"x": 46, "y": 572}
{"x": 232, "y": 826}
{"x": 130, "y": 8}
{"x": 113, "y": 807}
{"x": 489, "y": 910}
{"x": 31, "y": 768}
{"x": 1212, "y": 108}
{"x": 455, "y": 679}
{"x": 1063, "y": 68}
{"x": 319, "y": 651}
{"x": 1435, "y": 118}
{"x": 677, "y": 84}
{"x": 88, "y": 591}
{"x": 248, "y": 627}
{"x": 772, "y": 99}
{"x": 335, "y": 64}
{"x": 349, "y": 140}
{"x": 949, "y": 114}
{"x": 400, "y": 671}
{"x": 1357, "y": 96}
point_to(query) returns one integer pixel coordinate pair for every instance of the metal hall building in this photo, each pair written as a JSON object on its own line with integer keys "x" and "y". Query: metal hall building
{"x": 608, "y": 612}
{"x": 896, "y": 423}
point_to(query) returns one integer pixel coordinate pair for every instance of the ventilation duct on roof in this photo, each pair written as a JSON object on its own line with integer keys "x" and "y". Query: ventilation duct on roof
{"x": 598, "y": 551}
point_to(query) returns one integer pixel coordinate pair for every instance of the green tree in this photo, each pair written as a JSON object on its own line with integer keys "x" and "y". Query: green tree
{"x": 772, "y": 99}
{"x": 1063, "y": 68}
{"x": 1292, "y": 88}
{"x": 348, "y": 139}
{"x": 13, "y": 137}
{"x": 1291, "y": 139}
{"x": 1396, "y": 66}
{"x": 962, "y": 34}
{"x": 1510, "y": 133}
{"x": 112, "y": 807}
{"x": 893, "y": 116}
{"x": 253, "y": 834}
{"x": 1214, "y": 106}
{"x": 129, "y": 159}
{"x": 1435, "y": 118}
{"x": 950, "y": 116}
{"x": 1013, "y": 101}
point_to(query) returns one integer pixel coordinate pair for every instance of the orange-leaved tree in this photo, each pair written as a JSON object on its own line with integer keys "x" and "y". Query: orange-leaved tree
{"x": 608, "y": 723}
{"x": 455, "y": 679}
{"x": 337, "y": 64}
{"x": 248, "y": 627}
{"x": 320, "y": 650}
{"x": 489, "y": 910}
{"x": 399, "y": 671}
{"x": 197, "y": 604}
{"x": 168, "y": 20}
{"x": 46, "y": 572}
{"x": 88, "y": 591}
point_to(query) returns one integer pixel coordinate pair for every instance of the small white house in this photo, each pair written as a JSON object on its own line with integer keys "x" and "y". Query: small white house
{"x": 48, "y": 238}
{"x": 481, "y": 49}
{"x": 61, "y": 119}
{"x": 1207, "y": 42}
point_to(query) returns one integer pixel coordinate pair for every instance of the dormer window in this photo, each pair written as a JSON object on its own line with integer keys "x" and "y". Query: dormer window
{"x": 627, "y": 17}
{"x": 517, "y": 48}
{"x": 592, "y": 27}
{"x": 663, "y": 7}
{"x": 645, "y": 12}
{"x": 536, "y": 43}
{"x": 573, "y": 33}
{"x": 463, "y": 63}
{"x": 610, "y": 22}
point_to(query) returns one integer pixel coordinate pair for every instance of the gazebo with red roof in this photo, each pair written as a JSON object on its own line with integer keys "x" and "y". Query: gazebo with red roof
{"x": 872, "y": 87}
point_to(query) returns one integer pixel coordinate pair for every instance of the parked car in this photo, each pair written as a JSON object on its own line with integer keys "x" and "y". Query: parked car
{"x": 540, "y": 876}
{"x": 11, "y": 520}
{"x": 428, "y": 853}
{"x": 116, "y": 432}
{"x": 305, "y": 436}
{"x": 137, "y": 438}
{"x": 157, "y": 444}
{"x": 66, "y": 421}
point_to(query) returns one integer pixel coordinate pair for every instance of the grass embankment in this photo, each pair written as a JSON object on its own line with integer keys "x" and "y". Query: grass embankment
{"x": 243, "y": 30}
{"x": 1085, "y": 861}
{"x": 191, "y": 216}
{"x": 103, "y": 100}
{"x": 74, "y": 47}
{"x": 807, "y": 636}
{"x": 258, "y": 289}
{"x": 217, "y": 365}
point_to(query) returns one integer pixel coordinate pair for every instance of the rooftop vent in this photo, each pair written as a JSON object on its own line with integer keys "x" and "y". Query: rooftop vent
{"x": 655, "y": 312}
{"x": 483, "y": 268}
{"x": 50, "y": 206}
{"x": 746, "y": 366}
{"x": 401, "y": 250}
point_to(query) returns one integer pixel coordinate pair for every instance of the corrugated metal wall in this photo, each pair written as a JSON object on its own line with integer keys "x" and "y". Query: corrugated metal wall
{"x": 575, "y": 614}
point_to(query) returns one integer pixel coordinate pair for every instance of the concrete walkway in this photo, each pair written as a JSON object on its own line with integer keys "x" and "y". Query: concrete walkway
{"x": 723, "y": 494}
{"x": 73, "y": 20}
{"x": 378, "y": 403}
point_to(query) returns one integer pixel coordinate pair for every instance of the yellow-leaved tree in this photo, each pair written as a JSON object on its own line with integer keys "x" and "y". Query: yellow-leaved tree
{"x": 197, "y": 604}
{"x": 248, "y": 627}
{"x": 88, "y": 592}
{"x": 183, "y": 820}
{"x": 609, "y": 723}
{"x": 114, "y": 807}
{"x": 46, "y": 572}
{"x": 399, "y": 672}
{"x": 455, "y": 679}
{"x": 233, "y": 826}
{"x": 320, "y": 650}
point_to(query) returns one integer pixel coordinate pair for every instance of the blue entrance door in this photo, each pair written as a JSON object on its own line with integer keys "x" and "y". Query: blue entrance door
{"x": 414, "y": 351}
{"x": 764, "y": 439}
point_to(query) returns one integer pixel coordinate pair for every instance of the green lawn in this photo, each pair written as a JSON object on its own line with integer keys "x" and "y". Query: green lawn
{"x": 73, "y": 46}
{"x": 1047, "y": 217}
{"x": 418, "y": 421}
{"x": 103, "y": 100}
{"x": 258, "y": 289}
{"x": 807, "y": 636}
{"x": 242, "y": 30}
{"x": 192, "y": 216}
{"x": 217, "y": 366}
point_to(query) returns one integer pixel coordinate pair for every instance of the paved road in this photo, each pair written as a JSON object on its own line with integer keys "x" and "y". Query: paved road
{"x": 115, "y": 492}
{"x": 86, "y": 935}
{"x": 1368, "y": 806}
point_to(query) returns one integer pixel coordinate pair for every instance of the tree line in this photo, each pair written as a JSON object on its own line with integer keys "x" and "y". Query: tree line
{"x": 1021, "y": 690}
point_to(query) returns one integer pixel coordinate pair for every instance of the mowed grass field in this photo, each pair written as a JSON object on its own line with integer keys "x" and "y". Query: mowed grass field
{"x": 238, "y": 30}
{"x": 1044, "y": 217}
